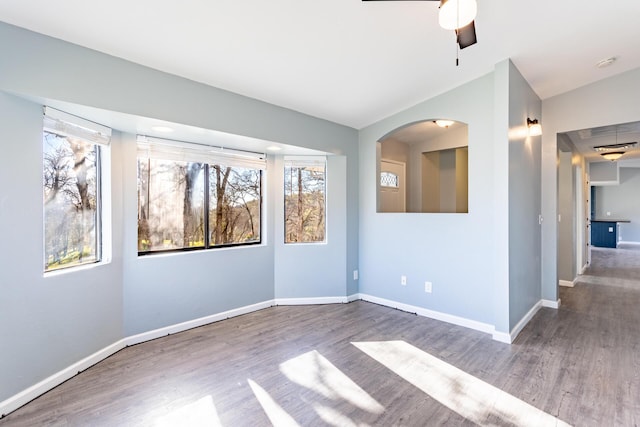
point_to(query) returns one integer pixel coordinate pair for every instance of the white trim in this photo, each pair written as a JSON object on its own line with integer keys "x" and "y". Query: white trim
{"x": 502, "y": 337}
{"x": 525, "y": 319}
{"x": 180, "y": 327}
{"x": 444, "y": 317}
{"x": 566, "y": 283}
{"x": 22, "y": 398}
{"x": 584, "y": 268}
{"x": 509, "y": 338}
{"x": 551, "y": 304}
{"x": 354, "y": 297}
{"x": 27, "y": 395}
{"x": 311, "y": 301}
{"x": 624, "y": 242}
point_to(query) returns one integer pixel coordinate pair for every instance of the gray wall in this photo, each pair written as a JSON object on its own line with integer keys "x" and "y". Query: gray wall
{"x": 524, "y": 199}
{"x": 604, "y": 173}
{"x": 46, "y": 323}
{"x": 608, "y": 101}
{"x": 314, "y": 269}
{"x": 76, "y": 313}
{"x": 454, "y": 251}
{"x": 484, "y": 265}
{"x": 623, "y": 202}
{"x": 566, "y": 226}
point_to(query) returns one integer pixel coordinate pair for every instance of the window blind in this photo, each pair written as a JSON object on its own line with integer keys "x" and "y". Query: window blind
{"x": 317, "y": 163}
{"x": 165, "y": 149}
{"x": 65, "y": 124}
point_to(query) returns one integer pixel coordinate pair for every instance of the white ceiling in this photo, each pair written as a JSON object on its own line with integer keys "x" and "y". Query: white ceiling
{"x": 347, "y": 61}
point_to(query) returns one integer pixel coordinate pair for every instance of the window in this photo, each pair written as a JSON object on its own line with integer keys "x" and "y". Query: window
{"x": 389, "y": 179}
{"x": 190, "y": 197}
{"x": 72, "y": 149}
{"x": 304, "y": 199}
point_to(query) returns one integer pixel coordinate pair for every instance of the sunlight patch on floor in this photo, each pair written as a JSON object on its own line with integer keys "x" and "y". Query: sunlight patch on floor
{"x": 334, "y": 418}
{"x": 463, "y": 393}
{"x": 315, "y": 372}
{"x": 199, "y": 413}
{"x": 278, "y": 416}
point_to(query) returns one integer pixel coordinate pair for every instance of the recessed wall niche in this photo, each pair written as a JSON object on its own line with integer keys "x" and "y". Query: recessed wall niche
{"x": 423, "y": 167}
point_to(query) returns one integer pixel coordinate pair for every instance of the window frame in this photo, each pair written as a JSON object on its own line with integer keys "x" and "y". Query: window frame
{"x": 230, "y": 158}
{"x": 64, "y": 125}
{"x": 305, "y": 162}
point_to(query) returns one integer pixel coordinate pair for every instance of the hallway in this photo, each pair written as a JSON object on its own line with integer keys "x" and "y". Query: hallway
{"x": 602, "y": 324}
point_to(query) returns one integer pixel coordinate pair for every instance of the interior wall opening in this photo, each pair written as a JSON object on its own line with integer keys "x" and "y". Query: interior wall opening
{"x": 423, "y": 167}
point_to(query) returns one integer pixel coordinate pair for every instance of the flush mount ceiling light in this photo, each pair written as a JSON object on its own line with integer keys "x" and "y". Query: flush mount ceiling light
{"x": 443, "y": 123}
{"x": 274, "y": 148}
{"x": 612, "y": 155}
{"x": 535, "y": 128}
{"x": 606, "y": 62}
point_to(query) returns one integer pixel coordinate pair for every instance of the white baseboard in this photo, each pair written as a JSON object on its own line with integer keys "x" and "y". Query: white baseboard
{"x": 624, "y": 242}
{"x": 551, "y": 304}
{"x": 179, "y": 327}
{"x": 354, "y": 297}
{"x": 566, "y": 283}
{"x": 525, "y": 319}
{"x": 584, "y": 268}
{"x": 420, "y": 311}
{"x": 27, "y": 395}
{"x": 311, "y": 301}
{"x": 502, "y": 337}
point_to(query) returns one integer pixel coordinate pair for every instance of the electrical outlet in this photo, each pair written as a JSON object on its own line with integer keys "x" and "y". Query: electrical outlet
{"x": 428, "y": 286}
{"x": 403, "y": 280}
{"x": 355, "y": 274}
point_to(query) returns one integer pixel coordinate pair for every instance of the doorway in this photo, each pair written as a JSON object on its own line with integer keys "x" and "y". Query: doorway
{"x": 392, "y": 186}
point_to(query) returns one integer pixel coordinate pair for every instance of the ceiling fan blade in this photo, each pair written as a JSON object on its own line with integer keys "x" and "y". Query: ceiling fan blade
{"x": 467, "y": 35}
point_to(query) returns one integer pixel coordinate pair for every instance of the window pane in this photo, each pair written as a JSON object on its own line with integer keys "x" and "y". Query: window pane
{"x": 71, "y": 194}
{"x": 304, "y": 204}
{"x": 170, "y": 205}
{"x": 388, "y": 179}
{"x": 234, "y": 205}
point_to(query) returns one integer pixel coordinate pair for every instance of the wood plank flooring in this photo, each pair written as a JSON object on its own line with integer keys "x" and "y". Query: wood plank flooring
{"x": 580, "y": 363}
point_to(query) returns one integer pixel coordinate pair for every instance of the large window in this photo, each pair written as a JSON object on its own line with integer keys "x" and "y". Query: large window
{"x": 191, "y": 197}
{"x": 304, "y": 203}
{"x": 71, "y": 190}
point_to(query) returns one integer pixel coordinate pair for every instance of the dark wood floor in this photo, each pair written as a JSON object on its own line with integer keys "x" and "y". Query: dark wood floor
{"x": 299, "y": 366}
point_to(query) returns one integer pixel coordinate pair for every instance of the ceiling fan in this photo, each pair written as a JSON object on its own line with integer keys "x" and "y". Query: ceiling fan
{"x": 457, "y": 15}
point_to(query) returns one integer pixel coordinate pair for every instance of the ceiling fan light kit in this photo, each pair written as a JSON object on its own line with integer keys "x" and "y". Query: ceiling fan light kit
{"x": 455, "y": 14}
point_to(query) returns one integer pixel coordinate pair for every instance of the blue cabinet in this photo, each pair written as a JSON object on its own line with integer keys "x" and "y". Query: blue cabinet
{"x": 604, "y": 234}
